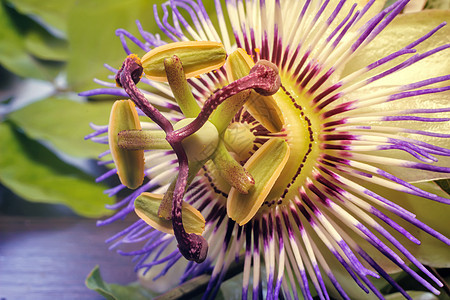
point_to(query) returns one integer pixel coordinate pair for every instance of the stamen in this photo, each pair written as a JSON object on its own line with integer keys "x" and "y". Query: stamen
{"x": 129, "y": 164}
{"x": 127, "y": 77}
{"x": 197, "y": 57}
{"x": 146, "y": 207}
{"x": 266, "y": 166}
{"x": 235, "y": 174}
{"x": 262, "y": 108}
{"x": 193, "y": 247}
{"x": 263, "y": 77}
{"x": 307, "y": 52}
{"x": 165, "y": 209}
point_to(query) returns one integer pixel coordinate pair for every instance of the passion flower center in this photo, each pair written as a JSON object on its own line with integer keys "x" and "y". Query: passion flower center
{"x": 301, "y": 129}
{"x": 201, "y": 144}
{"x": 263, "y": 77}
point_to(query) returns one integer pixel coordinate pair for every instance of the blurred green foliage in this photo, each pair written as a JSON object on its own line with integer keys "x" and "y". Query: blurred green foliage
{"x": 64, "y": 45}
{"x": 69, "y": 41}
{"x": 36, "y": 174}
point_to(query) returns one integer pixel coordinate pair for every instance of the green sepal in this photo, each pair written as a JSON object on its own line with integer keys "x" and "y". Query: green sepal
{"x": 416, "y": 295}
{"x": 444, "y": 184}
{"x": 405, "y": 29}
{"x": 134, "y": 291}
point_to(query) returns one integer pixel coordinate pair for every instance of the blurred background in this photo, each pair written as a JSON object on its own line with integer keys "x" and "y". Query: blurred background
{"x": 49, "y": 201}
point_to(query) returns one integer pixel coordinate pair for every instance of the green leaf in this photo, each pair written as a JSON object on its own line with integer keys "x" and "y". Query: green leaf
{"x": 14, "y": 55}
{"x": 64, "y": 124}
{"x": 36, "y": 174}
{"x": 405, "y": 29}
{"x": 91, "y": 33}
{"x": 134, "y": 291}
{"x": 43, "y": 45}
{"x": 232, "y": 288}
{"x": 51, "y": 12}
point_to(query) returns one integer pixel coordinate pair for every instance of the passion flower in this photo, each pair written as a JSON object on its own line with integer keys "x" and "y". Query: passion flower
{"x": 293, "y": 162}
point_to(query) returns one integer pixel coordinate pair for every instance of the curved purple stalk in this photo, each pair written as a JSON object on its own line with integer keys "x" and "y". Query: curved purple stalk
{"x": 127, "y": 77}
{"x": 193, "y": 247}
{"x": 263, "y": 78}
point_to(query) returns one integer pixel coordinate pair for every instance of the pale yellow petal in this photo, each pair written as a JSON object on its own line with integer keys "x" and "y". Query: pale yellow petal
{"x": 429, "y": 101}
{"x": 404, "y": 30}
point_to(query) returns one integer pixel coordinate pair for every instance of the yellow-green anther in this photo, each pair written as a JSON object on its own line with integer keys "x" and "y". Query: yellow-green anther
{"x": 146, "y": 207}
{"x": 165, "y": 207}
{"x": 230, "y": 170}
{"x": 198, "y": 57}
{"x": 238, "y": 64}
{"x": 262, "y": 108}
{"x": 180, "y": 87}
{"x": 265, "y": 165}
{"x": 266, "y": 111}
{"x": 143, "y": 140}
{"x": 129, "y": 163}
{"x": 202, "y": 144}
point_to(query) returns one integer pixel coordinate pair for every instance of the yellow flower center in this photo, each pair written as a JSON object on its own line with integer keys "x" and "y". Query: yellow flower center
{"x": 302, "y": 127}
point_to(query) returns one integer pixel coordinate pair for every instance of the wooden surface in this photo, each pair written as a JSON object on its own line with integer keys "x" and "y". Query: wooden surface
{"x": 50, "y": 257}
